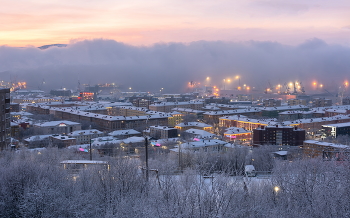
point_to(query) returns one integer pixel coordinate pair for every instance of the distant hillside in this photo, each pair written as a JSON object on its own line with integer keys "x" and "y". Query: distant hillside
{"x": 48, "y": 46}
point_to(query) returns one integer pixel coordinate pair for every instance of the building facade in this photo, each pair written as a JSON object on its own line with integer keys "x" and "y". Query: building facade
{"x": 4, "y": 118}
{"x": 278, "y": 135}
{"x": 163, "y": 132}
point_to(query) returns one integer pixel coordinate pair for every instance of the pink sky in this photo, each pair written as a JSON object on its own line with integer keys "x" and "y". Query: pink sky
{"x": 139, "y": 22}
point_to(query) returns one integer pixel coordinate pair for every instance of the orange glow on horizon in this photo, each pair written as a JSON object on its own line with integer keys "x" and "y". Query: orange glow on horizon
{"x": 138, "y": 23}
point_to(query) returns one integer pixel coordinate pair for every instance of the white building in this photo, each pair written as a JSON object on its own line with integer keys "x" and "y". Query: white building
{"x": 57, "y": 127}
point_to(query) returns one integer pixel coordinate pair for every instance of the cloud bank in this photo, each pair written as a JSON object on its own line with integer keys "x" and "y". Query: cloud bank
{"x": 173, "y": 65}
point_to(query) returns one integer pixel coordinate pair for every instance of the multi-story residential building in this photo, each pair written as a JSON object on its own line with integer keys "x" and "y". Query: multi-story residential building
{"x": 14, "y": 107}
{"x": 141, "y": 102}
{"x": 61, "y": 92}
{"x": 271, "y": 102}
{"x": 26, "y": 99}
{"x": 334, "y": 112}
{"x": 294, "y": 115}
{"x": 214, "y": 116}
{"x": 329, "y": 151}
{"x": 85, "y": 136}
{"x": 62, "y": 141}
{"x": 321, "y": 102}
{"x": 278, "y": 135}
{"x": 57, "y": 127}
{"x": 244, "y": 122}
{"x": 111, "y": 123}
{"x": 337, "y": 129}
{"x": 187, "y": 111}
{"x": 168, "y": 106}
{"x": 194, "y": 125}
{"x": 197, "y": 134}
{"x": 4, "y": 118}
{"x": 163, "y": 132}
{"x": 274, "y": 111}
{"x": 122, "y": 134}
{"x": 295, "y": 101}
{"x": 207, "y": 145}
{"x": 130, "y": 111}
{"x": 238, "y": 134}
{"x": 346, "y": 101}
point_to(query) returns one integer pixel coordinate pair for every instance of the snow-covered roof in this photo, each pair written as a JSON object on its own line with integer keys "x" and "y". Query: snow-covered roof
{"x": 295, "y": 112}
{"x": 236, "y": 111}
{"x": 104, "y": 140}
{"x": 235, "y": 130}
{"x": 327, "y": 144}
{"x": 21, "y": 113}
{"x": 56, "y": 123}
{"x": 189, "y": 110}
{"x": 211, "y": 107}
{"x": 281, "y": 153}
{"x": 162, "y": 127}
{"x": 156, "y": 115}
{"x": 316, "y": 120}
{"x": 340, "y": 111}
{"x": 85, "y": 132}
{"x": 200, "y": 133}
{"x": 269, "y": 121}
{"x": 63, "y": 137}
{"x": 202, "y": 143}
{"x": 124, "y": 132}
{"x": 292, "y": 107}
{"x": 337, "y": 125}
{"x": 37, "y": 138}
{"x": 176, "y": 103}
{"x": 197, "y": 124}
{"x": 133, "y": 139}
{"x": 83, "y": 162}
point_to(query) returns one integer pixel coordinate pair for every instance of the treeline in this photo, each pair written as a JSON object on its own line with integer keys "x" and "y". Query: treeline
{"x": 33, "y": 184}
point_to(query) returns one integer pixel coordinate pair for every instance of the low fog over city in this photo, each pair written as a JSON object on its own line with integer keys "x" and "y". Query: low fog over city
{"x": 147, "y": 68}
{"x": 175, "y": 109}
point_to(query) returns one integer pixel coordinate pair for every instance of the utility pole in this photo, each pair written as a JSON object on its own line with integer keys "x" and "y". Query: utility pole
{"x": 90, "y": 150}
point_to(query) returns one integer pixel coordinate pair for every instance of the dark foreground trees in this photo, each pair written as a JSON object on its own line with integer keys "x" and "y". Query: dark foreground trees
{"x": 35, "y": 185}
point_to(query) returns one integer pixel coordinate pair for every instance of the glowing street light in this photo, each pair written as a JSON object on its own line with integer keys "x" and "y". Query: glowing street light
{"x": 276, "y": 189}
